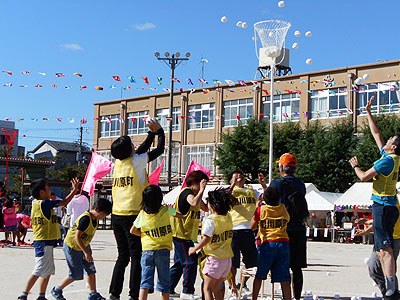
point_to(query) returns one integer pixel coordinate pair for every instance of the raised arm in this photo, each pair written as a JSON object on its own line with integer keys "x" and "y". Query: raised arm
{"x": 197, "y": 200}
{"x": 376, "y": 133}
{"x": 75, "y": 189}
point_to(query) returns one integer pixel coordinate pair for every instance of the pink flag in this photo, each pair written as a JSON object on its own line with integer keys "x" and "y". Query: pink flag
{"x": 97, "y": 169}
{"x": 154, "y": 177}
{"x": 194, "y": 166}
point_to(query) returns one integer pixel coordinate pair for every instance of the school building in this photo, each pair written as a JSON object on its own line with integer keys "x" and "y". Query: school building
{"x": 200, "y": 115}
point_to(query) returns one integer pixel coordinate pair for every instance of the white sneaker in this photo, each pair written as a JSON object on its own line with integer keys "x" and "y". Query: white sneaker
{"x": 189, "y": 296}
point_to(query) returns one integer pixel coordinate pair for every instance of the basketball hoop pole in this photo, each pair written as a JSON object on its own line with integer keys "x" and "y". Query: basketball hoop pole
{"x": 271, "y": 125}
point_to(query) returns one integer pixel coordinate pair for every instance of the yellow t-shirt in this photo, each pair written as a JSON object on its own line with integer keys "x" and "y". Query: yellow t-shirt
{"x": 126, "y": 187}
{"x": 156, "y": 231}
{"x": 44, "y": 229}
{"x": 221, "y": 239}
{"x": 273, "y": 223}
{"x": 186, "y": 228}
{"x": 87, "y": 235}
{"x": 244, "y": 205}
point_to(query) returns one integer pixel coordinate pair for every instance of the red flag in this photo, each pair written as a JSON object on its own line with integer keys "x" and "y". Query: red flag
{"x": 146, "y": 80}
{"x": 83, "y": 87}
{"x": 10, "y": 135}
{"x": 116, "y": 78}
{"x": 38, "y": 85}
{"x": 266, "y": 92}
{"x": 195, "y": 167}
{"x": 238, "y": 117}
{"x": 262, "y": 115}
{"x": 8, "y": 72}
{"x": 83, "y": 121}
{"x": 154, "y": 178}
{"x": 53, "y": 85}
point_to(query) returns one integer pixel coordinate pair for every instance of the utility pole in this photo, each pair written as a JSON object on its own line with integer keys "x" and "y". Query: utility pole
{"x": 171, "y": 62}
{"x": 80, "y": 146}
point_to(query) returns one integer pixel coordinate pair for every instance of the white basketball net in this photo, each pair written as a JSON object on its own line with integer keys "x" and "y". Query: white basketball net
{"x": 272, "y": 35}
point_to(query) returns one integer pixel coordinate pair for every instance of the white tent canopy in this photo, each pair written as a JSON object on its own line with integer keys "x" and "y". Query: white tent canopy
{"x": 358, "y": 195}
{"x": 321, "y": 201}
{"x": 311, "y": 187}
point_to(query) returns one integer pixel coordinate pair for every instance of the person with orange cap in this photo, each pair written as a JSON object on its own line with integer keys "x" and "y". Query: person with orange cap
{"x": 288, "y": 186}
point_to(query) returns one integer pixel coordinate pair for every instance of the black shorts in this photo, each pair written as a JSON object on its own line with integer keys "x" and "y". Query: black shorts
{"x": 298, "y": 248}
{"x": 385, "y": 217}
{"x": 243, "y": 241}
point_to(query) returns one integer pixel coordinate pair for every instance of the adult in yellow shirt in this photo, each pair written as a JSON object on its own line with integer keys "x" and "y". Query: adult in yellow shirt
{"x": 129, "y": 181}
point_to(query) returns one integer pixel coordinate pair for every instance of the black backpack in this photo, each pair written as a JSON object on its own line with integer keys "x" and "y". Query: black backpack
{"x": 296, "y": 203}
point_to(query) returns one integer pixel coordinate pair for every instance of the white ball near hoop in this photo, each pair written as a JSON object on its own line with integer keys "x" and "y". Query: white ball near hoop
{"x": 244, "y": 25}
{"x": 365, "y": 76}
{"x": 309, "y": 61}
{"x": 295, "y": 46}
{"x": 297, "y": 33}
{"x": 239, "y": 23}
{"x": 308, "y": 34}
{"x": 271, "y": 34}
{"x": 224, "y": 19}
{"x": 360, "y": 81}
{"x": 272, "y": 51}
{"x": 281, "y": 3}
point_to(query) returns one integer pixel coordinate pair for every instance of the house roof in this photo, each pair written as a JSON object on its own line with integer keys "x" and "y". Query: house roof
{"x": 62, "y": 146}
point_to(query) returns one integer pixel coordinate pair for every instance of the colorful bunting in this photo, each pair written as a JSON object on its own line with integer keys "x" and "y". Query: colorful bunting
{"x": 60, "y": 74}
{"x": 25, "y": 72}
{"x": 159, "y": 80}
{"x": 203, "y": 80}
{"x": 77, "y": 74}
{"x": 116, "y": 78}
{"x": 83, "y": 87}
{"x": 189, "y": 81}
{"x": 132, "y": 79}
{"x": 99, "y": 88}
{"x": 242, "y": 82}
{"x": 146, "y": 80}
{"x": 8, "y": 72}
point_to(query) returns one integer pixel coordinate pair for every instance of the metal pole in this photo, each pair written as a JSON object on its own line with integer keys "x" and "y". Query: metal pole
{"x": 171, "y": 105}
{"x": 80, "y": 146}
{"x": 271, "y": 125}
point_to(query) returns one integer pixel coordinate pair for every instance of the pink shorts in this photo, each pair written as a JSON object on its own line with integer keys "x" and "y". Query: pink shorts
{"x": 217, "y": 268}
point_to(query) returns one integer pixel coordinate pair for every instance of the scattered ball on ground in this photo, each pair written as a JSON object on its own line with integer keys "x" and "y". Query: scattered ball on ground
{"x": 281, "y": 3}
{"x": 224, "y": 19}
{"x": 308, "y": 34}
{"x": 239, "y": 23}
{"x": 309, "y": 61}
{"x": 328, "y": 274}
{"x": 297, "y": 33}
{"x": 244, "y": 25}
{"x": 271, "y": 34}
{"x": 295, "y": 46}
{"x": 365, "y": 76}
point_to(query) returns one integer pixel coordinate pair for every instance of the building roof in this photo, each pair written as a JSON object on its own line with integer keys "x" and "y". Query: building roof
{"x": 25, "y": 162}
{"x": 63, "y": 146}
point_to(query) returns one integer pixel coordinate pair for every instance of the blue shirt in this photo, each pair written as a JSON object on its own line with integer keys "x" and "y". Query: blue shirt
{"x": 384, "y": 166}
{"x": 297, "y": 185}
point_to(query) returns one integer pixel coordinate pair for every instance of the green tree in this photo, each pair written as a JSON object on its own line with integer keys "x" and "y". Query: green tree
{"x": 65, "y": 171}
{"x": 241, "y": 149}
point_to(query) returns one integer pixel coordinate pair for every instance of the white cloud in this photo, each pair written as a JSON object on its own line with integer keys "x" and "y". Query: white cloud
{"x": 145, "y": 26}
{"x": 73, "y": 47}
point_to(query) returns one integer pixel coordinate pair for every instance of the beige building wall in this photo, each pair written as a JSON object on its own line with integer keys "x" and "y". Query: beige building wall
{"x": 382, "y": 72}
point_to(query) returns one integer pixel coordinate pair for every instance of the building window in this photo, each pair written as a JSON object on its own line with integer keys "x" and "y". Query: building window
{"x": 235, "y": 109}
{"x": 386, "y": 97}
{"x": 136, "y": 122}
{"x": 163, "y": 114}
{"x": 107, "y": 154}
{"x": 201, "y": 116}
{"x": 286, "y": 107}
{"x": 110, "y": 125}
{"x": 329, "y": 103}
{"x": 202, "y": 154}
{"x": 174, "y": 166}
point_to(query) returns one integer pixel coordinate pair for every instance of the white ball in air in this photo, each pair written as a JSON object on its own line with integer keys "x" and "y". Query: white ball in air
{"x": 297, "y": 33}
{"x": 271, "y": 34}
{"x": 309, "y": 61}
{"x": 295, "y": 46}
{"x": 239, "y": 23}
{"x": 244, "y": 25}
{"x": 224, "y": 19}
{"x": 281, "y": 3}
{"x": 365, "y": 76}
{"x": 308, "y": 34}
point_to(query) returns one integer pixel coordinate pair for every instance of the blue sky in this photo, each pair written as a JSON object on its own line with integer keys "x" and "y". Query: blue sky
{"x": 99, "y": 39}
